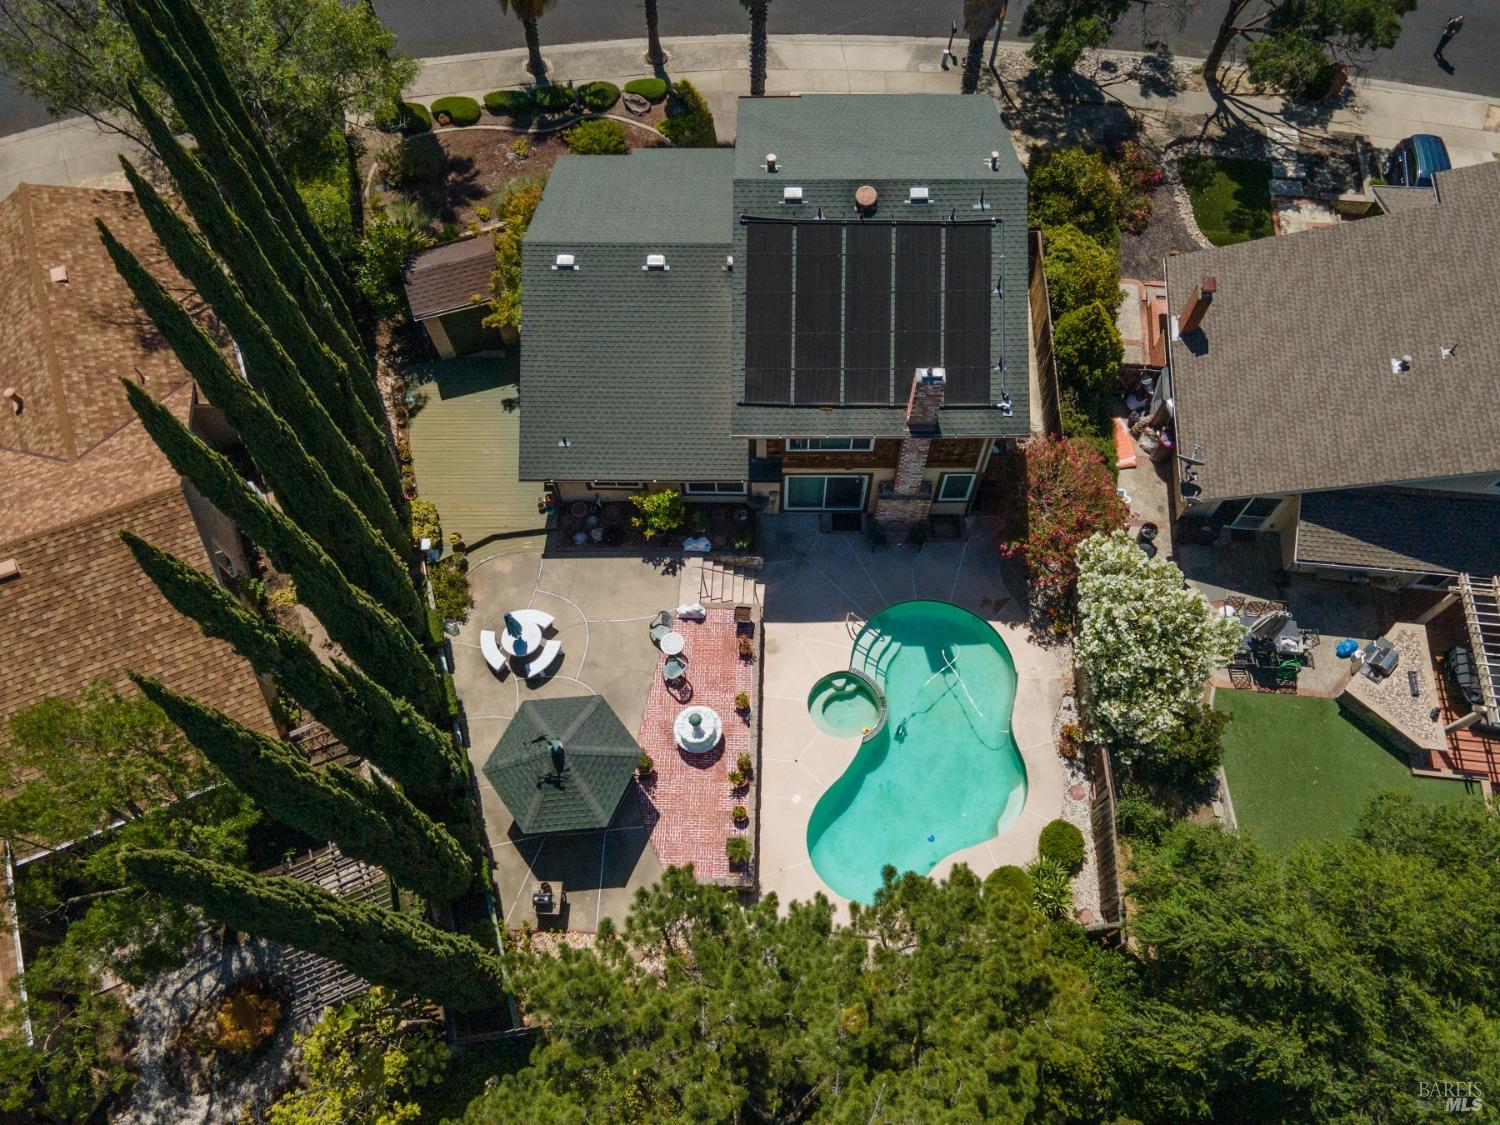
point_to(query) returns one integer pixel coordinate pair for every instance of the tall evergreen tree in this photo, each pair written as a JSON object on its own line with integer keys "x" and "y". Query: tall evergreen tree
{"x": 274, "y": 372}
{"x": 372, "y": 638}
{"x": 302, "y": 486}
{"x": 333, "y": 376}
{"x": 366, "y": 818}
{"x": 382, "y": 946}
{"x": 359, "y": 712}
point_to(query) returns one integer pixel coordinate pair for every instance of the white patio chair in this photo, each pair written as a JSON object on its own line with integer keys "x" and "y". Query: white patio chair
{"x": 543, "y": 661}
{"x": 541, "y": 620}
{"x": 489, "y": 645}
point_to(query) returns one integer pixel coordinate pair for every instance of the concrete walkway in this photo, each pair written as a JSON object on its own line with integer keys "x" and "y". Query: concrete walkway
{"x": 78, "y": 152}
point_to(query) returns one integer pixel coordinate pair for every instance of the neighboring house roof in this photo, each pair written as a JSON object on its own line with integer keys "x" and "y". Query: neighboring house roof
{"x": 830, "y": 145}
{"x": 563, "y": 764}
{"x": 629, "y": 367}
{"x": 1288, "y": 386}
{"x": 448, "y": 278}
{"x": 81, "y": 609}
{"x": 1401, "y": 529}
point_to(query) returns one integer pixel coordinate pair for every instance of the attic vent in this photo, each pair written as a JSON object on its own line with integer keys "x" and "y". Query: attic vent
{"x": 1400, "y": 364}
{"x": 13, "y": 396}
{"x": 865, "y": 197}
{"x": 771, "y": 162}
{"x": 59, "y": 274}
{"x": 791, "y": 195}
{"x": 9, "y": 569}
{"x": 656, "y": 262}
{"x": 565, "y": 262}
{"x": 1448, "y": 351}
{"x": 919, "y": 194}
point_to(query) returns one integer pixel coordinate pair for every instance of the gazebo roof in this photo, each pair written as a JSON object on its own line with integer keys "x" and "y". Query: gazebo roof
{"x": 563, "y": 764}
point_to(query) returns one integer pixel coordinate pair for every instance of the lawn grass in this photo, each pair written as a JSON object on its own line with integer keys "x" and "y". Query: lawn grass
{"x": 1231, "y": 197}
{"x": 1299, "y": 770}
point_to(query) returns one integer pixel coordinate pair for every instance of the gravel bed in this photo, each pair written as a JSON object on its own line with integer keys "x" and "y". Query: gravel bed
{"x": 1076, "y": 811}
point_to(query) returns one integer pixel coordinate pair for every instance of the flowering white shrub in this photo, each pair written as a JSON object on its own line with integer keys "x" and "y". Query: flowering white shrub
{"x": 1146, "y": 642}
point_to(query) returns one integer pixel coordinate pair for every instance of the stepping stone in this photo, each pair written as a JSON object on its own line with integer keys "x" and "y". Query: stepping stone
{"x": 1079, "y": 792}
{"x": 1286, "y": 187}
{"x": 1086, "y": 916}
{"x": 1288, "y": 168}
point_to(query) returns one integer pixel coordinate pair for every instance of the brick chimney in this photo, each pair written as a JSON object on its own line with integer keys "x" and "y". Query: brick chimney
{"x": 926, "y": 397}
{"x": 1197, "y": 306}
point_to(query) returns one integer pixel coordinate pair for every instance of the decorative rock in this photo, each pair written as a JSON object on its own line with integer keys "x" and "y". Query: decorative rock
{"x": 635, "y": 103}
{"x": 1086, "y": 916}
{"x": 1078, "y": 792}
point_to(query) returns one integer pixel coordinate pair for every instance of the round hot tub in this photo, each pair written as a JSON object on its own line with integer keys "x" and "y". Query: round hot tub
{"x": 846, "y": 704}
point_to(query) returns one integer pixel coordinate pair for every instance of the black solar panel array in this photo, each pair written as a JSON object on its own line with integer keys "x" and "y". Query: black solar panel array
{"x": 844, "y": 314}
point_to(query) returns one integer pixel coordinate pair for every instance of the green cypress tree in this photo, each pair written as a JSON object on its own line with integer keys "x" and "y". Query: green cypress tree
{"x": 372, "y": 638}
{"x": 332, "y": 376}
{"x": 302, "y": 487}
{"x": 359, "y": 712}
{"x": 273, "y": 371}
{"x": 382, "y": 946}
{"x": 366, "y": 818}
{"x": 215, "y": 132}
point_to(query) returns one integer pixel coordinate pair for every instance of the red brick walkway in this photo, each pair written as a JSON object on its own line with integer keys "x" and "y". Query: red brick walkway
{"x": 690, "y": 800}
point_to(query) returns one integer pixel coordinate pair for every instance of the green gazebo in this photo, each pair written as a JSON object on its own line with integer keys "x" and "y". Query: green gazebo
{"x": 563, "y": 764}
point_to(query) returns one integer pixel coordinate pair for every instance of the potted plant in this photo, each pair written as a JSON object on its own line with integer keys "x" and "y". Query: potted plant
{"x": 644, "y": 766}
{"x": 736, "y": 779}
{"x": 744, "y": 765}
{"x": 737, "y": 848}
{"x": 741, "y": 815}
{"x": 742, "y": 703}
{"x": 747, "y": 647}
{"x": 1069, "y": 740}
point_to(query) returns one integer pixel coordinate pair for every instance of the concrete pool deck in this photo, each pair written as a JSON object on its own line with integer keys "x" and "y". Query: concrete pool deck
{"x": 814, "y": 582}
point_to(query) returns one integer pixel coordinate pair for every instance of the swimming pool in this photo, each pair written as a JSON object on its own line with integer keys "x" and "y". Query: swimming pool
{"x": 943, "y": 773}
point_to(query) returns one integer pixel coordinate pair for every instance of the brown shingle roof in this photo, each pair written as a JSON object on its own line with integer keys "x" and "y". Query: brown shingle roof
{"x": 1288, "y": 387}
{"x": 446, "y": 278}
{"x": 82, "y": 609}
{"x": 1401, "y": 529}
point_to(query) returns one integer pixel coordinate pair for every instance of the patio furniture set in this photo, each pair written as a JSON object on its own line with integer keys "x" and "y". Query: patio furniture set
{"x": 521, "y": 645}
{"x": 1273, "y": 643}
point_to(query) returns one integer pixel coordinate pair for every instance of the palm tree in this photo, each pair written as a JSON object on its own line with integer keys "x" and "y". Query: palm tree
{"x": 757, "y": 10}
{"x": 528, "y": 12}
{"x": 654, "y": 54}
{"x": 979, "y": 17}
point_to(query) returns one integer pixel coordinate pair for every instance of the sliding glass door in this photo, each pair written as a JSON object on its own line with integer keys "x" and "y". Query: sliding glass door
{"x": 824, "y": 493}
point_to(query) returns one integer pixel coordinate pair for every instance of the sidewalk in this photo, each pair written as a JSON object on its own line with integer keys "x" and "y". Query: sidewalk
{"x": 78, "y": 152}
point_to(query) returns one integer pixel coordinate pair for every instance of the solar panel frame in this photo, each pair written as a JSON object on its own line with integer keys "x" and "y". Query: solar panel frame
{"x": 819, "y": 297}
{"x": 966, "y": 319}
{"x": 867, "y": 314}
{"x": 768, "y": 313}
{"x": 918, "y": 301}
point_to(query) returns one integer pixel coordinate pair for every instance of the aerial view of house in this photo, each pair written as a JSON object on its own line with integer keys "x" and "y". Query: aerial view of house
{"x": 794, "y": 572}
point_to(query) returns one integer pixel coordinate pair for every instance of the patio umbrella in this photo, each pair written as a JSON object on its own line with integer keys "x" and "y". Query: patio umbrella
{"x": 513, "y": 627}
{"x": 563, "y": 764}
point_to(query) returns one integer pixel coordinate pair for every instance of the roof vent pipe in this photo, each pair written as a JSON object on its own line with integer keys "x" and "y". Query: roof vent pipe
{"x": 13, "y": 396}
{"x": 771, "y": 162}
{"x": 995, "y": 160}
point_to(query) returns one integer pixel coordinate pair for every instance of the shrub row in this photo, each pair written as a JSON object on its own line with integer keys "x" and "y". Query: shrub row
{"x": 458, "y": 110}
{"x": 689, "y": 123}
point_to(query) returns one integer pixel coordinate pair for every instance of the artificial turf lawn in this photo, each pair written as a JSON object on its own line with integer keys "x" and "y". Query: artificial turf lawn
{"x": 1231, "y": 197}
{"x": 1298, "y": 770}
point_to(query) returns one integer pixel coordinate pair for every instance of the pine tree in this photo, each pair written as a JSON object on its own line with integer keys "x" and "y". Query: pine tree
{"x": 371, "y": 637}
{"x": 333, "y": 377}
{"x": 302, "y": 487}
{"x": 381, "y": 946}
{"x": 366, "y": 818}
{"x": 273, "y": 371}
{"x": 359, "y": 712}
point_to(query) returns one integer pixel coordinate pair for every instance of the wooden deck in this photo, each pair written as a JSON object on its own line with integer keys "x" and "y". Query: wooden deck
{"x": 465, "y": 439}
{"x": 1470, "y": 753}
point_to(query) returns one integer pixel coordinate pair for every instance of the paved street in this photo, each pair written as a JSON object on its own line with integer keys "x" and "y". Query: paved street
{"x": 427, "y": 28}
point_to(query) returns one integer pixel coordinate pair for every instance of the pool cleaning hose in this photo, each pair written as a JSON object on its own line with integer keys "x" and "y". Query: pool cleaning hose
{"x": 950, "y": 664}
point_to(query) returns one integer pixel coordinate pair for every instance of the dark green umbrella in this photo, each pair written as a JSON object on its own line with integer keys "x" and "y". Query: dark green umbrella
{"x": 563, "y": 764}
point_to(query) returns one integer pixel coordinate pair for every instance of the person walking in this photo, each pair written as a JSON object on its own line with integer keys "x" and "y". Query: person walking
{"x": 1450, "y": 29}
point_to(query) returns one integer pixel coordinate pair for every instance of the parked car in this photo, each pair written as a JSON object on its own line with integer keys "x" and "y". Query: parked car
{"x": 1415, "y": 160}
{"x": 1463, "y": 675}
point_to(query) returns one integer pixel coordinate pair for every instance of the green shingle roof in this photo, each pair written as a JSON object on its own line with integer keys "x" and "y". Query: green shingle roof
{"x": 563, "y": 764}
{"x": 630, "y": 367}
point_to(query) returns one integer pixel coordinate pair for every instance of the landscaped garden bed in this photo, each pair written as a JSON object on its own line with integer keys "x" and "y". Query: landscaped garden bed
{"x": 1231, "y": 196}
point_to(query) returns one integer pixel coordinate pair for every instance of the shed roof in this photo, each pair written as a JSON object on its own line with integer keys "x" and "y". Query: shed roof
{"x": 447, "y": 278}
{"x": 1288, "y": 386}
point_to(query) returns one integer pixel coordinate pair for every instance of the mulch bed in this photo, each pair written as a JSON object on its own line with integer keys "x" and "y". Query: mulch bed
{"x": 1142, "y": 255}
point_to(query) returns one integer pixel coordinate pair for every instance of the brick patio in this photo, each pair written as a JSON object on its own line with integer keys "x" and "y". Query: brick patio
{"x": 688, "y": 803}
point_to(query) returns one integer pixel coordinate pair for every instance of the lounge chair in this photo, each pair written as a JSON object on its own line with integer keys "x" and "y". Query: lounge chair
{"x": 541, "y": 620}
{"x": 661, "y": 625}
{"x": 538, "y": 665}
{"x": 489, "y": 644}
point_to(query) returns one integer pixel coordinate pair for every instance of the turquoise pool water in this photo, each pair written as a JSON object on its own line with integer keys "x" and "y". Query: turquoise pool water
{"x": 943, "y": 773}
{"x": 844, "y": 704}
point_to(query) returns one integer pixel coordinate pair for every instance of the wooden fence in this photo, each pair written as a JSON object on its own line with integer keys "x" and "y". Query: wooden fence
{"x": 1041, "y": 338}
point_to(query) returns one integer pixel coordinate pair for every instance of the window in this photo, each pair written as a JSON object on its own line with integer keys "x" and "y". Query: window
{"x": 830, "y": 444}
{"x": 605, "y": 485}
{"x": 1247, "y": 515}
{"x": 824, "y": 493}
{"x": 955, "y": 487}
{"x": 715, "y": 487}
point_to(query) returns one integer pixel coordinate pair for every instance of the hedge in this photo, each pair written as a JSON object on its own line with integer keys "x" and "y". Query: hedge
{"x": 1013, "y": 877}
{"x": 461, "y": 111}
{"x": 1063, "y": 843}
{"x": 596, "y": 97}
{"x": 414, "y": 118}
{"x": 553, "y": 99}
{"x": 652, "y": 89}
{"x": 693, "y": 124}
{"x": 596, "y": 138}
{"x": 515, "y": 103}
